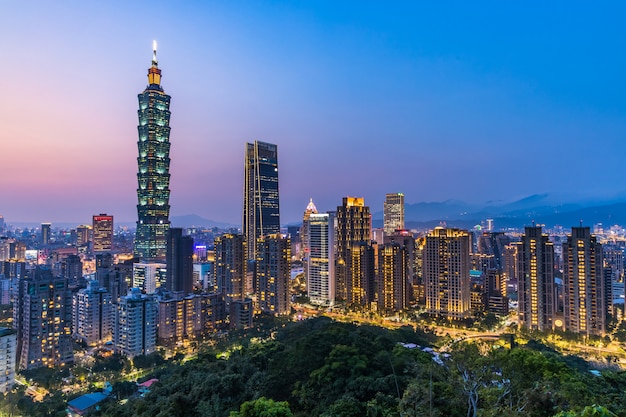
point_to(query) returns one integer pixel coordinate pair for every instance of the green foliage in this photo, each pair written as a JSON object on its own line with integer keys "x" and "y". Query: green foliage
{"x": 263, "y": 407}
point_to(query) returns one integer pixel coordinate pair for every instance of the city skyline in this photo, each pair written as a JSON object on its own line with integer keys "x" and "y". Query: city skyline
{"x": 390, "y": 93}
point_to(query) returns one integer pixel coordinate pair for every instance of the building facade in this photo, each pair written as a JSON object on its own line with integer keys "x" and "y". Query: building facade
{"x": 273, "y": 268}
{"x": 261, "y": 211}
{"x": 320, "y": 254}
{"x": 446, "y": 273}
{"x": 535, "y": 279}
{"x": 43, "y": 320}
{"x": 135, "y": 330}
{"x": 393, "y": 213}
{"x": 153, "y": 191}
{"x": 584, "y": 285}
{"x": 179, "y": 262}
{"x": 8, "y": 352}
{"x": 92, "y": 315}
{"x": 353, "y": 226}
{"x": 102, "y": 226}
{"x": 393, "y": 277}
{"x": 231, "y": 266}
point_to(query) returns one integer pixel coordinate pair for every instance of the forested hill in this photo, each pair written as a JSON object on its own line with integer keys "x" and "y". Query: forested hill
{"x": 319, "y": 367}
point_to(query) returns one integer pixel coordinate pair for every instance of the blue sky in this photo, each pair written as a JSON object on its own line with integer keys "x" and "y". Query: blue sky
{"x": 450, "y": 100}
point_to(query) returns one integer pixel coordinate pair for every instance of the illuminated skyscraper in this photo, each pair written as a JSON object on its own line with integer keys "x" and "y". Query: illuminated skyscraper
{"x": 320, "y": 253}
{"x": 353, "y": 226}
{"x": 102, "y": 233}
{"x": 393, "y": 277}
{"x": 261, "y": 214}
{"x": 230, "y": 266}
{"x": 583, "y": 281}
{"x": 446, "y": 271}
{"x": 153, "y": 178}
{"x": 535, "y": 276}
{"x": 273, "y": 267}
{"x": 393, "y": 213}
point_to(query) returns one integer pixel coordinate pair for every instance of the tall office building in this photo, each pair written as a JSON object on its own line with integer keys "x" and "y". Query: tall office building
{"x": 45, "y": 233}
{"x": 304, "y": 233}
{"x": 583, "y": 280}
{"x": 261, "y": 215}
{"x": 446, "y": 272}
{"x": 72, "y": 269}
{"x": 148, "y": 276}
{"x": 393, "y": 277}
{"x": 535, "y": 278}
{"x": 83, "y": 235}
{"x": 179, "y": 262}
{"x": 43, "y": 320}
{"x": 353, "y": 226}
{"x": 320, "y": 254}
{"x": 230, "y": 266}
{"x": 273, "y": 268}
{"x": 102, "y": 226}
{"x": 135, "y": 329}
{"x": 153, "y": 192}
{"x": 93, "y": 315}
{"x": 393, "y": 213}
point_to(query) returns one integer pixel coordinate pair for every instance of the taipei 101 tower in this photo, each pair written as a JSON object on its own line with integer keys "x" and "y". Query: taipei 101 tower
{"x": 153, "y": 192}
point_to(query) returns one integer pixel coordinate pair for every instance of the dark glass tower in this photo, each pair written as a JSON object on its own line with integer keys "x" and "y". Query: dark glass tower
{"x": 260, "y": 194}
{"x": 153, "y": 192}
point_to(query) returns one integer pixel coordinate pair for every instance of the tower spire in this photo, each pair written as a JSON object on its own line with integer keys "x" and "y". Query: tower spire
{"x": 155, "y": 63}
{"x": 154, "y": 73}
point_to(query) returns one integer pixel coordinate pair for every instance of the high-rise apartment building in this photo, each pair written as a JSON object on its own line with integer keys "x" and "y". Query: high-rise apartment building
{"x": 583, "y": 281}
{"x": 102, "y": 226}
{"x": 261, "y": 215}
{"x": 353, "y": 226}
{"x": 273, "y": 268}
{"x": 230, "y": 266}
{"x": 135, "y": 330}
{"x": 43, "y": 320}
{"x": 393, "y": 277}
{"x": 393, "y": 213}
{"x": 93, "y": 315}
{"x": 179, "y": 261}
{"x": 8, "y": 351}
{"x": 446, "y": 272}
{"x": 153, "y": 191}
{"x": 320, "y": 255}
{"x": 361, "y": 284}
{"x": 535, "y": 277}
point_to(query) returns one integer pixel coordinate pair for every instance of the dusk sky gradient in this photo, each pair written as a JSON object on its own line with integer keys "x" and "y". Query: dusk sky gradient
{"x": 472, "y": 101}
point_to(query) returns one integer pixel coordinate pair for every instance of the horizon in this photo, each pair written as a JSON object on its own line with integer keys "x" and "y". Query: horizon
{"x": 440, "y": 103}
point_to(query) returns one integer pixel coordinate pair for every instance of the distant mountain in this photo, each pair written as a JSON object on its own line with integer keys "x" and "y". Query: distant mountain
{"x": 538, "y": 208}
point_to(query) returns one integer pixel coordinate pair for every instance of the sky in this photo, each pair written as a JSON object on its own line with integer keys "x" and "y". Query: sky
{"x": 471, "y": 101}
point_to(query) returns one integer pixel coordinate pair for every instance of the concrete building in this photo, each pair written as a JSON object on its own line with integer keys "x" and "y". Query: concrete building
{"x": 273, "y": 267}
{"x": 43, "y": 320}
{"x": 535, "y": 278}
{"x": 393, "y": 213}
{"x": 320, "y": 257}
{"x": 93, "y": 315}
{"x": 584, "y": 285}
{"x": 8, "y": 352}
{"x": 446, "y": 273}
{"x": 135, "y": 330}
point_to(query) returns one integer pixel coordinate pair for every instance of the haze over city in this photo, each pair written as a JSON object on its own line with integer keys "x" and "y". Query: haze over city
{"x": 436, "y": 101}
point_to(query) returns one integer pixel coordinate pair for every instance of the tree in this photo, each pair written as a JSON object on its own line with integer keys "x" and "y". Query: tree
{"x": 263, "y": 407}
